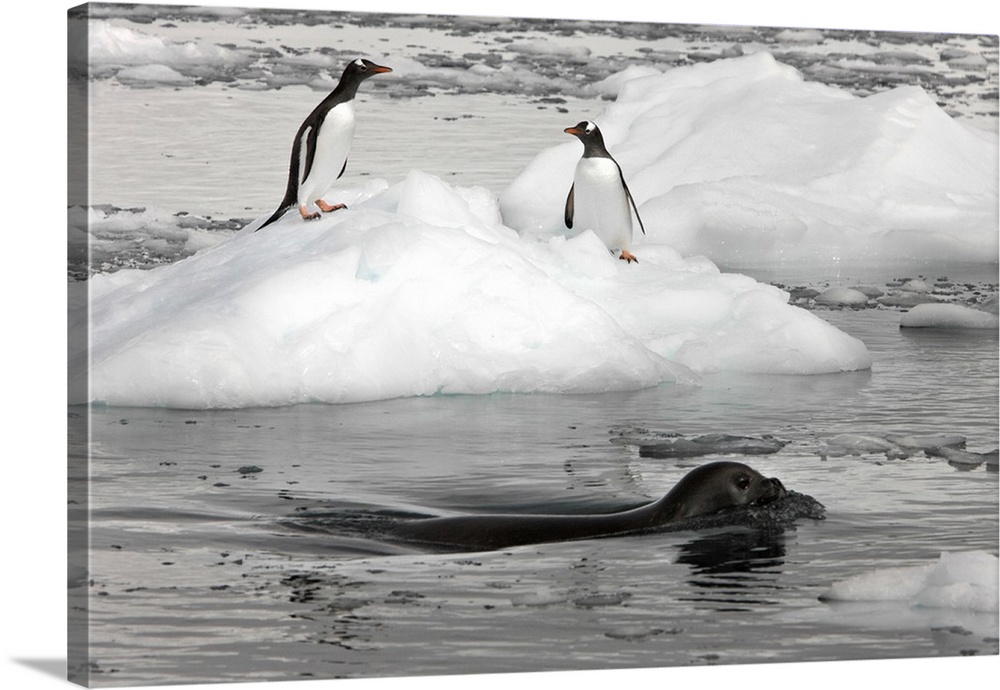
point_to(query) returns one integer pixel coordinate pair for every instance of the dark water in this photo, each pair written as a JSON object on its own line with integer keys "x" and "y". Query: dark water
{"x": 203, "y": 547}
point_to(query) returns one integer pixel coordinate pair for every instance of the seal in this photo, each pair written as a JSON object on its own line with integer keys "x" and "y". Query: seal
{"x": 704, "y": 490}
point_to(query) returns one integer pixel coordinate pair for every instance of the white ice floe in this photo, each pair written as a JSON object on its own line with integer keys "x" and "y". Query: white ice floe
{"x": 419, "y": 289}
{"x": 105, "y": 238}
{"x": 950, "y": 447}
{"x": 842, "y": 296}
{"x": 958, "y": 580}
{"x": 927, "y": 442}
{"x": 948, "y": 316}
{"x": 856, "y": 444}
{"x": 153, "y": 75}
{"x": 744, "y": 161}
{"x": 107, "y": 49}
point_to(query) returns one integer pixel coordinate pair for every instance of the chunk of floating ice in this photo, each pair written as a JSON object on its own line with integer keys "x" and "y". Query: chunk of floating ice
{"x": 711, "y": 444}
{"x": 114, "y": 49}
{"x": 948, "y": 316}
{"x": 153, "y": 75}
{"x": 927, "y": 441}
{"x": 960, "y": 580}
{"x": 842, "y": 296}
{"x": 947, "y": 446}
{"x": 857, "y": 444}
{"x": 963, "y": 458}
{"x": 915, "y": 285}
{"x": 906, "y": 299}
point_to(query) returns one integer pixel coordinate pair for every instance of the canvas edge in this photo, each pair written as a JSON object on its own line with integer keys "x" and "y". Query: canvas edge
{"x": 78, "y": 424}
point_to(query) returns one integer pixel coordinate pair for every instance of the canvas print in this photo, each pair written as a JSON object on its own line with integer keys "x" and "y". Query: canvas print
{"x": 419, "y": 345}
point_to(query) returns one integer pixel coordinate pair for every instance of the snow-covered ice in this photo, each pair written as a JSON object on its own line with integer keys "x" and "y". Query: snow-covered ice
{"x": 745, "y": 161}
{"x": 419, "y": 289}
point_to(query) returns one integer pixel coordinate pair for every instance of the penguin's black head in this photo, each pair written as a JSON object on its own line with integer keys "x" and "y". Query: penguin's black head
{"x": 590, "y": 135}
{"x": 584, "y": 130}
{"x": 361, "y": 69}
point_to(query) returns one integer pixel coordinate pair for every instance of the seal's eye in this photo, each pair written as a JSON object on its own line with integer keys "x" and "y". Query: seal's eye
{"x": 743, "y": 482}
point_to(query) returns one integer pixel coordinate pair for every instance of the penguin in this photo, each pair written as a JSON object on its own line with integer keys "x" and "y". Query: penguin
{"x": 320, "y": 147}
{"x": 599, "y": 199}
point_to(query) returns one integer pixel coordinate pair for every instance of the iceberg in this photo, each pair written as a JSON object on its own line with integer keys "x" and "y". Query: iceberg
{"x": 744, "y": 161}
{"x": 419, "y": 288}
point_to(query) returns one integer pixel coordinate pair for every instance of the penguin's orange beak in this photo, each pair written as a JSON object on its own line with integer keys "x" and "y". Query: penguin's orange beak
{"x": 573, "y": 130}
{"x": 379, "y": 69}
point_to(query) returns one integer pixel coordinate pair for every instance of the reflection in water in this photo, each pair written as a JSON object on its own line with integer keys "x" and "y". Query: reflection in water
{"x": 332, "y": 606}
{"x": 735, "y": 567}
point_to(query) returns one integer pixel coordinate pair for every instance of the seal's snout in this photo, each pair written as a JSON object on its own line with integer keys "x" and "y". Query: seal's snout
{"x": 777, "y": 487}
{"x": 771, "y": 490}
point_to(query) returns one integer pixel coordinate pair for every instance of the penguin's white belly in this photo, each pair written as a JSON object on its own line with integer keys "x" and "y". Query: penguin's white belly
{"x": 600, "y": 203}
{"x": 332, "y": 146}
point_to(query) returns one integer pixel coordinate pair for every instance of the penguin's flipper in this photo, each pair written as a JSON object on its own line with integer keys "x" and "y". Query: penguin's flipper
{"x": 341, "y": 173}
{"x": 568, "y": 214}
{"x": 631, "y": 200}
{"x": 311, "y": 135}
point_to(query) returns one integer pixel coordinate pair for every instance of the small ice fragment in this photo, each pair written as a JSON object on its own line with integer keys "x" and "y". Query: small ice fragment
{"x": 712, "y": 444}
{"x": 927, "y": 441}
{"x": 842, "y": 296}
{"x": 856, "y": 444}
{"x": 959, "y": 580}
{"x": 964, "y": 458}
{"x": 915, "y": 285}
{"x": 948, "y": 316}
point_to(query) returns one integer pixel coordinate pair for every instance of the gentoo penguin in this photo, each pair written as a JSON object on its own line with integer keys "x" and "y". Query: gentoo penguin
{"x": 599, "y": 199}
{"x": 319, "y": 151}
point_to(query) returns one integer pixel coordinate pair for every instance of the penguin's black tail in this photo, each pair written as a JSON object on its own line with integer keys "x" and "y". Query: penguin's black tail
{"x": 276, "y": 215}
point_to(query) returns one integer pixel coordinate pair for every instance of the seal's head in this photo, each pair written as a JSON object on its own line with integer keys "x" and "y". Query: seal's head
{"x": 719, "y": 485}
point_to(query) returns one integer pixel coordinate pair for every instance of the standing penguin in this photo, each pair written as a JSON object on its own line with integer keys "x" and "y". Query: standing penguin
{"x": 319, "y": 151}
{"x": 599, "y": 199}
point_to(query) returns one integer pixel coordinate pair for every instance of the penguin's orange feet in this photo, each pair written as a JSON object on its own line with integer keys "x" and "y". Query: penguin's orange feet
{"x": 628, "y": 256}
{"x": 304, "y": 212}
{"x": 326, "y": 208}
